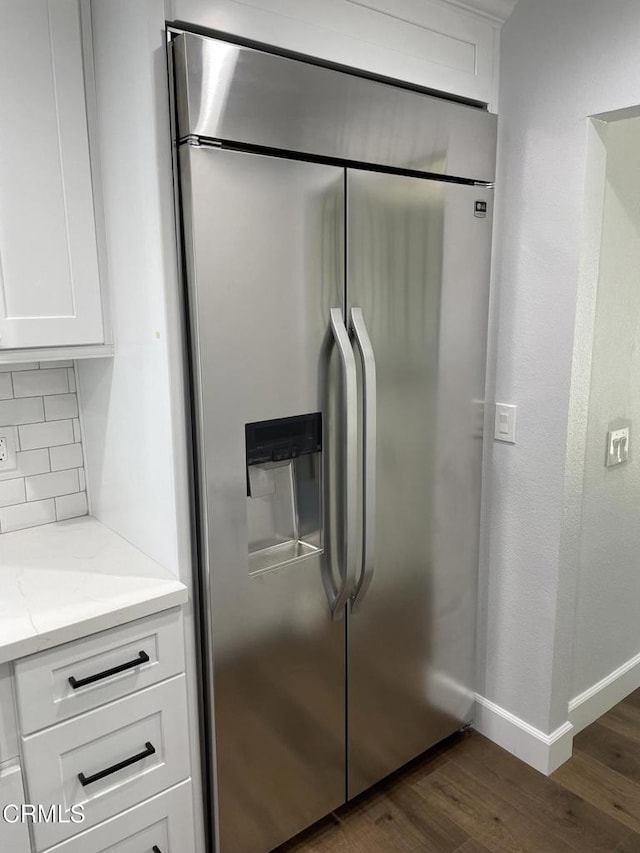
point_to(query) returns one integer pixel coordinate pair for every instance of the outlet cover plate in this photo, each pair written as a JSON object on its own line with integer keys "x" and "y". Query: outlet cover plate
{"x": 8, "y": 447}
{"x": 617, "y": 447}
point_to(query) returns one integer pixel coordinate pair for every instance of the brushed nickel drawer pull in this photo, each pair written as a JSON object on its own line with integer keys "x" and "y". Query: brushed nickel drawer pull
{"x": 143, "y": 657}
{"x": 87, "y": 780}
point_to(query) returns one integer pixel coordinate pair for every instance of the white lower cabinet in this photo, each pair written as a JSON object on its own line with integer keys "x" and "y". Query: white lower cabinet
{"x": 103, "y": 736}
{"x": 8, "y": 727}
{"x": 14, "y": 835}
{"x": 163, "y": 823}
{"x": 109, "y": 759}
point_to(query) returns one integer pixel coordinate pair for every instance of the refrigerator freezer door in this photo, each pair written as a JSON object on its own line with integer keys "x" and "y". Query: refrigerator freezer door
{"x": 236, "y": 94}
{"x": 418, "y": 267}
{"x": 264, "y": 250}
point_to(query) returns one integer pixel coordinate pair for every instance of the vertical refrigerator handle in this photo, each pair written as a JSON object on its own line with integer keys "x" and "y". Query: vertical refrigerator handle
{"x": 363, "y": 342}
{"x": 350, "y": 431}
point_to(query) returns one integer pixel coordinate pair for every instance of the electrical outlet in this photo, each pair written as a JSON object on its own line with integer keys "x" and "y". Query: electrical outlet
{"x": 617, "y": 447}
{"x": 8, "y": 447}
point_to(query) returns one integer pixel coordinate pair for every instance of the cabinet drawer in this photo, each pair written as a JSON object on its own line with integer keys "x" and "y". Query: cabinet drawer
{"x": 14, "y": 837}
{"x": 54, "y": 685}
{"x": 109, "y": 759}
{"x": 164, "y": 822}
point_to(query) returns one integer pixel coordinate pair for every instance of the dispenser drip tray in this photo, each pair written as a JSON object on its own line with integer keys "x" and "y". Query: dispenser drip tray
{"x": 280, "y": 555}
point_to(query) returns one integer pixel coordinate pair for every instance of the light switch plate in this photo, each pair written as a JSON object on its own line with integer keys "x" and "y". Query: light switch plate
{"x": 8, "y": 447}
{"x": 617, "y": 447}
{"x": 505, "y": 425}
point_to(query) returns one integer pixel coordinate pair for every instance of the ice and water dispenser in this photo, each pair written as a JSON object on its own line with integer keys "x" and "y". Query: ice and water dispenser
{"x": 284, "y": 490}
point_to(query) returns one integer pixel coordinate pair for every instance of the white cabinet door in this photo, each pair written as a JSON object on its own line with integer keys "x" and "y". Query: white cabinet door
{"x": 14, "y": 835}
{"x": 49, "y": 282}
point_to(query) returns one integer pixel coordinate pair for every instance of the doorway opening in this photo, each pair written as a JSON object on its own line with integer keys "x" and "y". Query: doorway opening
{"x": 602, "y": 529}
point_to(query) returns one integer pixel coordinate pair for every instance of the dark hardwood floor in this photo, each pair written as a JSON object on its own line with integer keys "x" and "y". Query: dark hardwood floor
{"x": 469, "y": 796}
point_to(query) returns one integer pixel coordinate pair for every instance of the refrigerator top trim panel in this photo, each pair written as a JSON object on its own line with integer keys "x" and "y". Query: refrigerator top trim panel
{"x": 247, "y": 97}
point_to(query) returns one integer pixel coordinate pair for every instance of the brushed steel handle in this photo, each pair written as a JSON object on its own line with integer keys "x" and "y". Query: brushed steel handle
{"x": 149, "y": 749}
{"x": 143, "y": 657}
{"x": 350, "y": 473}
{"x": 363, "y": 342}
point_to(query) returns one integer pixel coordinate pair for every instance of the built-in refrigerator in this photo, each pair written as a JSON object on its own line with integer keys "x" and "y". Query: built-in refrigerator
{"x": 336, "y": 242}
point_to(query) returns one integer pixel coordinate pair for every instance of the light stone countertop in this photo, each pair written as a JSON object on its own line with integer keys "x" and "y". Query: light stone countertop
{"x": 63, "y": 581}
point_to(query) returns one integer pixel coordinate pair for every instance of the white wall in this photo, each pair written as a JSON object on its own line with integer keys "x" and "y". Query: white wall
{"x": 126, "y": 402}
{"x": 560, "y": 62}
{"x": 606, "y": 629}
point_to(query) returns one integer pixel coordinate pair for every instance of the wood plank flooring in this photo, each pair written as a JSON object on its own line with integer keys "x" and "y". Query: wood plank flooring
{"x": 469, "y": 796}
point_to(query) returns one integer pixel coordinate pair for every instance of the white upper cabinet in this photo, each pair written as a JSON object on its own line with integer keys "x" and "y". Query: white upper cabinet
{"x": 49, "y": 278}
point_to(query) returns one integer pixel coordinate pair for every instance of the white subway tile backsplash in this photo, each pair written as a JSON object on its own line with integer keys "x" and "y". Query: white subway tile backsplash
{"x": 12, "y": 492}
{"x": 18, "y": 365}
{"x": 60, "y": 406}
{"x": 52, "y": 485}
{"x": 38, "y": 403}
{"x": 54, "y": 365}
{"x": 28, "y": 462}
{"x": 34, "y": 383}
{"x": 6, "y": 388}
{"x": 66, "y": 456}
{"x": 48, "y": 434}
{"x": 25, "y": 411}
{"x": 18, "y": 516}
{"x": 71, "y": 506}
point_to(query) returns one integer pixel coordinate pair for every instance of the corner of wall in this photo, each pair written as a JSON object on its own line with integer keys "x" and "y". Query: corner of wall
{"x": 543, "y": 752}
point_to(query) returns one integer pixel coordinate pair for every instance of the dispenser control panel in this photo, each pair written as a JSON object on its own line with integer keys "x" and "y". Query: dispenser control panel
{"x": 283, "y": 438}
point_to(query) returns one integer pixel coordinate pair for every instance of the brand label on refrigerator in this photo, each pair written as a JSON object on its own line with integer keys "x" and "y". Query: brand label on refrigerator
{"x": 481, "y": 209}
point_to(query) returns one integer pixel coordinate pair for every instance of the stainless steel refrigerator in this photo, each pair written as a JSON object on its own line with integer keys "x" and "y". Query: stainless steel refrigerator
{"x": 336, "y": 235}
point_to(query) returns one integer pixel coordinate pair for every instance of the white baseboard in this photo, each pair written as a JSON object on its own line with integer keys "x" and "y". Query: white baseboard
{"x": 543, "y": 752}
{"x": 601, "y": 697}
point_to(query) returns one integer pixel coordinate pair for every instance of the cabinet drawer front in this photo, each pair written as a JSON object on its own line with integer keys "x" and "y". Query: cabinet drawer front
{"x": 165, "y": 822}
{"x": 109, "y": 759}
{"x": 102, "y": 668}
{"x": 14, "y": 837}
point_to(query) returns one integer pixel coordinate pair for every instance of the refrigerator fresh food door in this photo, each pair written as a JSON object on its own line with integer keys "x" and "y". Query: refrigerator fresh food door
{"x": 264, "y": 253}
{"x": 418, "y": 269}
